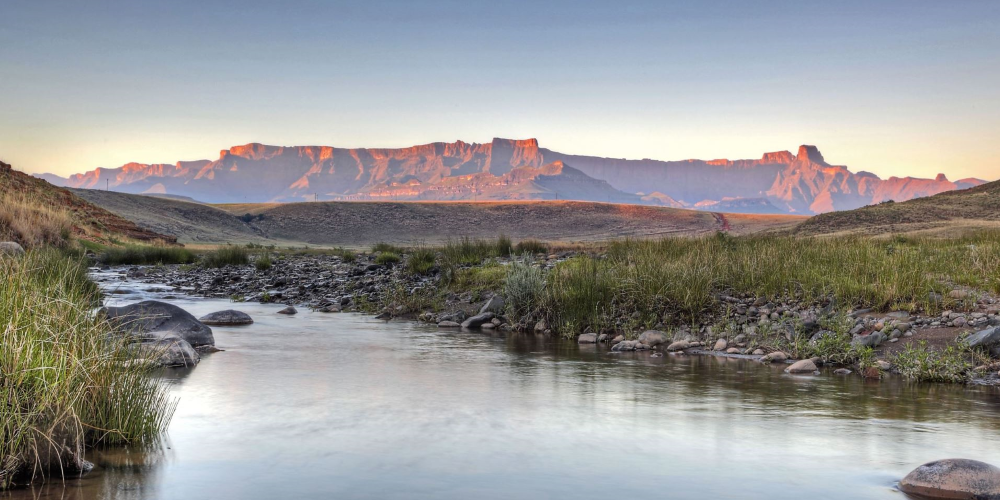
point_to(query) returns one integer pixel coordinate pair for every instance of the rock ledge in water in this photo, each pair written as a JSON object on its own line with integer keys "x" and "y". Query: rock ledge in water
{"x": 228, "y": 317}
{"x": 954, "y": 478}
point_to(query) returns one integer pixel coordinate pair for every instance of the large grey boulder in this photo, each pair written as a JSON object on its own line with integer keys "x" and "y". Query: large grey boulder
{"x": 871, "y": 340}
{"x": 169, "y": 351}
{"x": 987, "y": 337}
{"x": 652, "y": 338}
{"x": 495, "y": 305}
{"x": 152, "y": 319}
{"x": 10, "y": 248}
{"x": 587, "y": 338}
{"x": 953, "y": 478}
{"x": 478, "y": 320}
{"x": 228, "y": 317}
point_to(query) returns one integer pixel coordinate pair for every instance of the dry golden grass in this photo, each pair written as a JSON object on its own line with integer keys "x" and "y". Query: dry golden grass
{"x": 27, "y": 220}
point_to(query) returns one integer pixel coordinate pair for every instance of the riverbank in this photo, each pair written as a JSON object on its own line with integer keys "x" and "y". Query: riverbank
{"x": 67, "y": 382}
{"x": 872, "y": 306}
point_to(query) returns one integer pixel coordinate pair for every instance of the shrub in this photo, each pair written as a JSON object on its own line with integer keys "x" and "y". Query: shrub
{"x": 145, "y": 255}
{"x": 227, "y": 255}
{"x": 523, "y": 289}
{"x": 387, "y": 259}
{"x": 67, "y": 382}
{"x": 421, "y": 261}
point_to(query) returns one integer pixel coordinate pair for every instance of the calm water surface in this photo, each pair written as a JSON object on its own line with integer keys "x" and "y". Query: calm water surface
{"x": 345, "y": 406}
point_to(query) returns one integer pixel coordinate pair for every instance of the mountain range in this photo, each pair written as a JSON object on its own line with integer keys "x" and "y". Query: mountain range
{"x": 506, "y": 169}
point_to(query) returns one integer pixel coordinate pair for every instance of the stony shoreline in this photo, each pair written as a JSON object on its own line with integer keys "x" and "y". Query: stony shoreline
{"x": 328, "y": 283}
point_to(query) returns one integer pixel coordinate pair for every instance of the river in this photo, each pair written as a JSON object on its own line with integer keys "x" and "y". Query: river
{"x": 345, "y": 406}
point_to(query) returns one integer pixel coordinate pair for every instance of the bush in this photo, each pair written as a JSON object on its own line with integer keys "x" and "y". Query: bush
{"x": 523, "y": 288}
{"x": 421, "y": 261}
{"x": 227, "y": 255}
{"x": 68, "y": 381}
{"x": 530, "y": 246}
{"x": 387, "y": 259}
{"x": 145, "y": 255}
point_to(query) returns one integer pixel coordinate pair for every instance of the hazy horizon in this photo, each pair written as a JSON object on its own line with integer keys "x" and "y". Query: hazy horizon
{"x": 895, "y": 88}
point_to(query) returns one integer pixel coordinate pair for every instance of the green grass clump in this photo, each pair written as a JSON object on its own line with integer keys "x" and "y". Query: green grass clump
{"x": 581, "y": 295}
{"x": 227, "y": 255}
{"x": 387, "y": 259}
{"x": 67, "y": 382}
{"x": 469, "y": 252}
{"x": 488, "y": 277}
{"x": 953, "y": 364}
{"x": 421, "y": 261}
{"x": 263, "y": 262}
{"x": 386, "y": 247}
{"x": 530, "y": 246}
{"x": 345, "y": 254}
{"x": 145, "y": 255}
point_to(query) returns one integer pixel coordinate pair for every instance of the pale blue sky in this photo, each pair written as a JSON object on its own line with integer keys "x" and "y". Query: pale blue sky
{"x": 893, "y": 87}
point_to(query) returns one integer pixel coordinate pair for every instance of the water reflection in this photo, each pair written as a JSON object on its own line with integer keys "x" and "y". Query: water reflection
{"x": 344, "y": 406}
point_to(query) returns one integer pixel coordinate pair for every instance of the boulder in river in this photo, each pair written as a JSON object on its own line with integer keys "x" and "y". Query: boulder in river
{"x": 228, "y": 317}
{"x": 587, "y": 338}
{"x": 478, "y": 320}
{"x": 680, "y": 345}
{"x": 774, "y": 357}
{"x": 802, "y": 366}
{"x": 169, "y": 351}
{"x": 152, "y": 319}
{"x": 953, "y": 478}
{"x": 288, "y": 310}
{"x": 448, "y": 324}
{"x": 652, "y": 338}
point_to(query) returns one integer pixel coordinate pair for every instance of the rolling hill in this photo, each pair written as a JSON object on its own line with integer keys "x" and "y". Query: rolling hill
{"x": 360, "y": 224}
{"x": 949, "y": 213}
{"x": 505, "y": 169}
{"x": 34, "y": 212}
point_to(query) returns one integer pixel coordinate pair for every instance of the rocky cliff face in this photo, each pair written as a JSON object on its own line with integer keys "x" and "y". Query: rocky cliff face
{"x": 513, "y": 169}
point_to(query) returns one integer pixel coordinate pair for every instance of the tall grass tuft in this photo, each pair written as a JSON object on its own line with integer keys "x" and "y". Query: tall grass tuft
{"x": 145, "y": 255}
{"x": 469, "y": 252}
{"x": 263, "y": 261}
{"x": 530, "y": 246}
{"x": 421, "y": 261}
{"x": 523, "y": 288}
{"x": 32, "y": 222}
{"x": 67, "y": 382}
{"x": 386, "y": 247}
{"x": 387, "y": 259}
{"x": 227, "y": 255}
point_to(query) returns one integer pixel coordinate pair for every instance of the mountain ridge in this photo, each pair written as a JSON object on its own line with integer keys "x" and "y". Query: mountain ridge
{"x": 802, "y": 183}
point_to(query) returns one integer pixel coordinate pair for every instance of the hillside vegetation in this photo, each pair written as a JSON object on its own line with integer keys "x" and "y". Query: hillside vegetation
{"x": 35, "y": 213}
{"x": 946, "y": 214}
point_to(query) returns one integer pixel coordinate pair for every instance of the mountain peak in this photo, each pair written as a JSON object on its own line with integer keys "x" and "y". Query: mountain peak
{"x": 810, "y": 154}
{"x": 941, "y": 178}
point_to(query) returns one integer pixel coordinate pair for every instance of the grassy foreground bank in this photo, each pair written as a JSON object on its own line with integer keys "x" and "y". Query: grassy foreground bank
{"x": 66, "y": 383}
{"x": 695, "y": 285}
